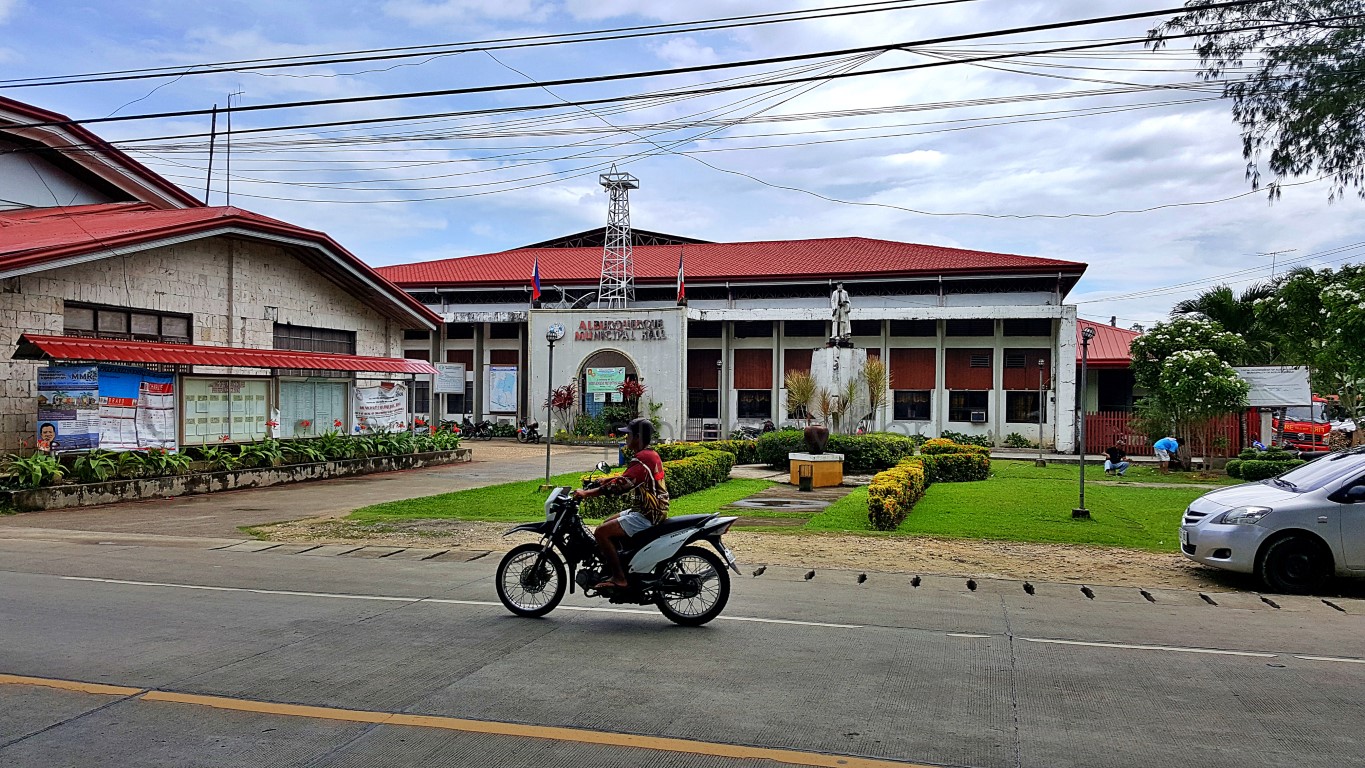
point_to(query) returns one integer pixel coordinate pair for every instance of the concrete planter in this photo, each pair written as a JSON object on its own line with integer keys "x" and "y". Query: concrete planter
{"x": 62, "y": 496}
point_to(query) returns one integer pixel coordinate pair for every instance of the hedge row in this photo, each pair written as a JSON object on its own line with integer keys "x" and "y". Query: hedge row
{"x": 943, "y": 445}
{"x": 862, "y": 453}
{"x": 744, "y": 451}
{"x": 1260, "y": 469}
{"x": 895, "y": 492}
{"x": 1272, "y": 453}
{"x": 698, "y": 470}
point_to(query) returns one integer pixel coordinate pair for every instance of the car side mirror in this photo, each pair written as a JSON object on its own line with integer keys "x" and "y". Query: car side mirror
{"x": 1355, "y": 494}
{"x": 603, "y": 468}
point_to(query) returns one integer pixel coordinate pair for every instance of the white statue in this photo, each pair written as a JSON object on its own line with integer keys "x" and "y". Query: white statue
{"x": 838, "y": 301}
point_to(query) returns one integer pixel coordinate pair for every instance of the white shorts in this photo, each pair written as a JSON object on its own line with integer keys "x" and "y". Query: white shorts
{"x": 1163, "y": 455}
{"x": 632, "y": 523}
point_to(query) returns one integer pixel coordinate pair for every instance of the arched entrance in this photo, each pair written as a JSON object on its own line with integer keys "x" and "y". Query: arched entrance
{"x": 609, "y": 404}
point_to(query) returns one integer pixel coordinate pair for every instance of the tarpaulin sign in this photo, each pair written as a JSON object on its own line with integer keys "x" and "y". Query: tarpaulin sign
{"x": 68, "y": 408}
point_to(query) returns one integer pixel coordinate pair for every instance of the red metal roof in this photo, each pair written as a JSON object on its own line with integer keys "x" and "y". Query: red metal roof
{"x": 34, "y": 237}
{"x": 88, "y": 147}
{"x": 839, "y": 257}
{"x": 1109, "y": 347}
{"x": 34, "y": 347}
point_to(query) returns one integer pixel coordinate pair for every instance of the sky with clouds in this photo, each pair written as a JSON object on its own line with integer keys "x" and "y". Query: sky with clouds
{"x": 1016, "y": 156}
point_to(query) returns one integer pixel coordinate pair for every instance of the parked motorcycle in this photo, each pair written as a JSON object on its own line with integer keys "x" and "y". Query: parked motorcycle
{"x": 481, "y": 431}
{"x": 529, "y": 433}
{"x": 664, "y": 566}
{"x": 747, "y": 432}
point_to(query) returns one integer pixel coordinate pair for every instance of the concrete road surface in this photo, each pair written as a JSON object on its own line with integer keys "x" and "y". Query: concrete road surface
{"x": 168, "y": 652}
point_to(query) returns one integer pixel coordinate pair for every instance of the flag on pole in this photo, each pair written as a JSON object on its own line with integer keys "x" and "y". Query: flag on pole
{"x": 535, "y": 280}
{"x": 682, "y": 286}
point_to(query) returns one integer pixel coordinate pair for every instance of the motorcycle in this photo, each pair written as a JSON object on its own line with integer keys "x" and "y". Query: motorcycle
{"x": 481, "y": 431}
{"x": 664, "y": 566}
{"x": 529, "y": 433}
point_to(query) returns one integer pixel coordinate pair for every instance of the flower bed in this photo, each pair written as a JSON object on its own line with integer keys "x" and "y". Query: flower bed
{"x": 108, "y": 492}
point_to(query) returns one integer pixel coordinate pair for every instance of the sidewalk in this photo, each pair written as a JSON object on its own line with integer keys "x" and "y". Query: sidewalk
{"x": 223, "y": 514}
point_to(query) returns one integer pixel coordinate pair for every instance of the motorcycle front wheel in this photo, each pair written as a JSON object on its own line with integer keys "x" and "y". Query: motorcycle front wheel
{"x": 693, "y": 587}
{"x": 522, "y": 438}
{"x": 528, "y": 590}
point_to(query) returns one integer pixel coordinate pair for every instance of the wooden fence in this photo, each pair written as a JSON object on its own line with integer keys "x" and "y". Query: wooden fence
{"x": 1224, "y": 436}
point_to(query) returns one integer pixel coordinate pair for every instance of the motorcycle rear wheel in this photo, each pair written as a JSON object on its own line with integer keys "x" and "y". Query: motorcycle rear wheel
{"x": 523, "y": 589}
{"x": 713, "y": 591}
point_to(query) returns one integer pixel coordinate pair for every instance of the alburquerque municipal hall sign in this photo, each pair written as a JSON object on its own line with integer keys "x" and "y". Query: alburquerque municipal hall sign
{"x": 621, "y": 330}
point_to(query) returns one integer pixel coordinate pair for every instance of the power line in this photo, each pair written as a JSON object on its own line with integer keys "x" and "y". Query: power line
{"x": 665, "y": 72}
{"x": 439, "y": 50}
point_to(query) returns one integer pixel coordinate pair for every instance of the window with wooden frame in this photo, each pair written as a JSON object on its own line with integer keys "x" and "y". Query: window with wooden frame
{"x": 102, "y": 322}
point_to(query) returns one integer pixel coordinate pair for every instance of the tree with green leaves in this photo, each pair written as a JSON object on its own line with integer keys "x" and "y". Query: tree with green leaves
{"x": 1183, "y": 367}
{"x": 1320, "y": 317}
{"x": 1295, "y": 72}
{"x": 1237, "y": 314}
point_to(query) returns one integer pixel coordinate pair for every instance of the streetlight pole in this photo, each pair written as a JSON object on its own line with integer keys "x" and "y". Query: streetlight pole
{"x": 552, "y": 334}
{"x": 1086, "y": 336}
{"x": 1040, "y": 462}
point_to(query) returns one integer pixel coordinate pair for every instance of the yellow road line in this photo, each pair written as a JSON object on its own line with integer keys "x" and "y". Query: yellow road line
{"x": 71, "y": 685}
{"x": 493, "y": 728}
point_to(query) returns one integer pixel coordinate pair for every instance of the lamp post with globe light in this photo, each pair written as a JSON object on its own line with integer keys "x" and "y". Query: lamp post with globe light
{"x": 1040, "y": 461}
{"x": 552, "y": 334}
{"x": 1087, "y": 334}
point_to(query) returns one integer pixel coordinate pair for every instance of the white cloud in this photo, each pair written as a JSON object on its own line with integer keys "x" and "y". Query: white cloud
{"x": 685, "y": 52}
{"x": 7, "y": 9}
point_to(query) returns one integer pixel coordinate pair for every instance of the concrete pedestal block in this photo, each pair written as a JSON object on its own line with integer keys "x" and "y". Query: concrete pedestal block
{"x": 827, "y": 469}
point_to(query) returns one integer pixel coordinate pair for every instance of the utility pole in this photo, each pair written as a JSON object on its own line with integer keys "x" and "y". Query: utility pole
{"x": 213, "y": 136}
{"x": 1274, "y": 255}
{"x": 229, "y": 143}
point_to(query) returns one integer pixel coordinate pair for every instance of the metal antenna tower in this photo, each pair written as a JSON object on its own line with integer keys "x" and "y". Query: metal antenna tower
{"x": 616, "y": 289}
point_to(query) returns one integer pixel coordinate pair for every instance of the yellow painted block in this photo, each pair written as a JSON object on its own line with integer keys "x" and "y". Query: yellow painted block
{"x": 823, "y": 473}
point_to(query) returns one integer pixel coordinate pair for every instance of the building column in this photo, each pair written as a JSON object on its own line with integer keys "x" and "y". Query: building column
{"x": 436, "y": 353}
{"x": 940, "y": 394}
{"x": 778, "y": 336}
{"x": 996, "y": 422}
{"x": 477, "y": 408}
{"x": 723, "y": 378}
{"x": 1064, "y": 382}
{"x": 888, "y": 409}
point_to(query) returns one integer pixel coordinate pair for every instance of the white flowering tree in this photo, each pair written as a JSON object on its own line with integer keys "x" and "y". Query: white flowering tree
{"x": 1182, "y": 365}
{"x": 1320, "y": 317}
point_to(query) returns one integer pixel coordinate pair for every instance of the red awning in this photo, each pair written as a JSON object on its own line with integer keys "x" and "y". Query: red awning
{"x": 33, "y": 347}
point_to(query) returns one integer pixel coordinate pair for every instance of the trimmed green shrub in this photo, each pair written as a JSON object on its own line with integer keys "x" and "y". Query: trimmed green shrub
{"x": 862, "y": 453}
{"x": 1260, "y": 470}
{"x": 962, "y": 438}
{"x": 893, "y": 493}
{"x": 1016, "y": 440}
{"x": 1277, "y": 454}
{"x": 1249, "y": 453}
{"x": 943, "y": 445}
{"x": 745, "y": 451}
{"x": 956, "y": 467}
{"x": 1234, "y": 467}
{"x": 696, "y": 472}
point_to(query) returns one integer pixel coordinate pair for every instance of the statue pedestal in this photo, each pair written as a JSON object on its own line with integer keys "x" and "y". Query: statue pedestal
{"x": 826, "y": 469}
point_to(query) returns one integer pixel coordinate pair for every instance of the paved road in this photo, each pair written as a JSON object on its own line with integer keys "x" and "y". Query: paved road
{"x": 235, "y": 657}
{"x": 222, "y": 514}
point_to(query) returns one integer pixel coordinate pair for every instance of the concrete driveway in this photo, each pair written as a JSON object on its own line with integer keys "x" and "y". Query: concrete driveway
{"x": 222, "y": 514}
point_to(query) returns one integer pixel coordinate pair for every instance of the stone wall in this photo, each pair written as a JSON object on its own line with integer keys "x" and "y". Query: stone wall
{"x": 235, "y": 289}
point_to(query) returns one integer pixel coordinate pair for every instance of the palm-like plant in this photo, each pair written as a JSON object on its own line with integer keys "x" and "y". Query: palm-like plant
{"x": 1237, "y": 314}
{"x": 800, "y": 392}
{"x": 878, "y": 384}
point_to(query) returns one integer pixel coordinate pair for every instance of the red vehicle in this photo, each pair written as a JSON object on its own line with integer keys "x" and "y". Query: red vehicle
{"x": 1305, "y": 428}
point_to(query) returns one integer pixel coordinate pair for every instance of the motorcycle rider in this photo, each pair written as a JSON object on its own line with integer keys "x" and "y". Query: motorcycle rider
{"x": 645, "y": 476}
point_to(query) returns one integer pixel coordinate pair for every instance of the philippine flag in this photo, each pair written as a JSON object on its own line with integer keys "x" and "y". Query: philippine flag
{"x": 535, "y": 280}
{"x": 682, "y": 286}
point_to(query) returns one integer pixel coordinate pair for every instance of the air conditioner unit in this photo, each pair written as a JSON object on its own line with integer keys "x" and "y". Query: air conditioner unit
{"x": 978, "y": 417}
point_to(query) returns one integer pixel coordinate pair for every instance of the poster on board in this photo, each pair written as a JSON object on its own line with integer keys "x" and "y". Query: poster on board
{"x": 381, "y": 408}
{"x": 604, "y": 379}
{"x": 502, "y": 388}
{"x": 449, "y": 379}
{"x": 1274, "y": 385}
{"x": 68, "y": 408}
{"x": 137, "y": 409}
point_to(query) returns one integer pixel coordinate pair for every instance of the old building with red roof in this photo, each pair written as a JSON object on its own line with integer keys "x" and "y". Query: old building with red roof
{"x": 95, "y": 246}
{"x": 968, "y": 336}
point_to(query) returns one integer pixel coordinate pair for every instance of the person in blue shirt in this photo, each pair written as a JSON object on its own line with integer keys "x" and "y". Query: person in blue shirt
{"x": 1165, "y": 448}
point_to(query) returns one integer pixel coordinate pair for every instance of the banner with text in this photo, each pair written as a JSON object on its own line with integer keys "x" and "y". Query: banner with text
{"x": 68, "y": 408}
{"x": 381, "y": 408}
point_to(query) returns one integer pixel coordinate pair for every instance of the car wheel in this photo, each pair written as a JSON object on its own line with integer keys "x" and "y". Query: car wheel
{"x": 1294, "y": 565}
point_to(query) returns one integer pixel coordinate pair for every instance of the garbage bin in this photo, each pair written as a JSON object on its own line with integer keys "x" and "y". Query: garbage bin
{"x": 805, "y": 475}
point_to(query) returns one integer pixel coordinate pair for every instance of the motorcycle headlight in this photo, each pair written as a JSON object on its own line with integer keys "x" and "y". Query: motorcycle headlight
{"x": 1245, "y": 515}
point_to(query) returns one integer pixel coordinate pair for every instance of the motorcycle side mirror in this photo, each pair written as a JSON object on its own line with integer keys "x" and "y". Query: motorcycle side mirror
{"x": 602, "y": 467}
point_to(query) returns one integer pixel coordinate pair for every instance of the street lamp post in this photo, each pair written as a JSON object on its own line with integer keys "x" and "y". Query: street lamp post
{"x": 1086, "y": 336}
{"x": 1040, "y": 461}
{"x": 552, "y": 334}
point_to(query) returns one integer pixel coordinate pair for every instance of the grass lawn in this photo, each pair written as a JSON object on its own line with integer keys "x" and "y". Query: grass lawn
{"x": 524, "y": 502}
{"x": 1136, "y": 474}
{"x": 1021, "y": 502}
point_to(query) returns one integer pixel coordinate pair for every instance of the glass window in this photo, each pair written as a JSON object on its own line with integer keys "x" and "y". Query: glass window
{"x": 1022, "y": 408}
{"x": 175, "y": 327}
{"x": 911, "y": 405}
{"x": 459, "y": 330}
{"x": 1040, "y": 326}
{"x": 455, "y": 405}
{"x": 309, "y": 408}
{"x": 224, "y": 410}
{"x": 303, "y": 338}
{"x": 145, "y": 325}
{"x": 755, "y": 404}
{"x": 79, "y": 318}
{"x": 914, "y": 327}
{"x": 421, "y": 398}
{"x": 866, "y": 327}
{"x": 971, "y": 328}
{"x": 112, "y": 321}
{"x": 799, "y": 328}
{"x": 754, "y": 329}
{"x": 969, "y": 405}
{"x": 704, "y": 329}
{"x": 411, "y": 335}
{"x": 703, "y": 404}
{"x": 503, "y": 330}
